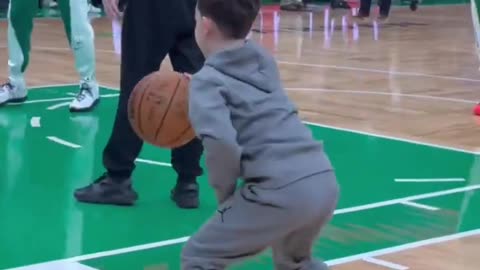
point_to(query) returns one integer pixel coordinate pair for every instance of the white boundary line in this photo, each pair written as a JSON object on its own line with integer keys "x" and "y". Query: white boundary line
{"x": 63, "y": 142}
{"x": 128, "y": 249}
{"x": 151, "y": 162}
{"x": 421, "y": 206}
{"x": 428, "y": 180}
{"x": 117, "y": 251}
{"x": 393, "y": 138}
{"x": 400, "y": 248}
{"x": 184, "y": 239}
{"x": 386, "y": 264}
{"x": 406, "y": 199}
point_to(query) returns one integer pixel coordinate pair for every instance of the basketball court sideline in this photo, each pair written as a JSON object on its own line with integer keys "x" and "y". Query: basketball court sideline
{"x": 392, "y": 109}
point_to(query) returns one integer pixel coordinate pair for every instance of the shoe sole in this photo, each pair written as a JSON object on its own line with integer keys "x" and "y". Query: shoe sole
{"x": 89, "y": 109}
{"x": 186, "y": 203}
{"x": 119, "y": 202}
{"x": 14, "y": 101}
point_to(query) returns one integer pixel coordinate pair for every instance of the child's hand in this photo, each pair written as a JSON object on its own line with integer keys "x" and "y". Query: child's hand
{"x": 189, "y": 76}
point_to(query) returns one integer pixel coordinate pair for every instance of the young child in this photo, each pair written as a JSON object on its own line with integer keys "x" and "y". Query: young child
{"x": 250, "y": 130}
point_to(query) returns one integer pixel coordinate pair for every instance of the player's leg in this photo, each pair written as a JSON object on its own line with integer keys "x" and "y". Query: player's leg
{"x": 20, "y": 26}
{"x": 144, "y": 46}
{"x": 187, "y": 57}
{"x": 475, "y": 6}
{"x": 364, "y": 10}
{"x": 384, "y": 6}
{"x": 81, "y": 39}
{"x": 294, "y": 251}
{"x": 256, "y": 218}
{"x": 299, "y": 244}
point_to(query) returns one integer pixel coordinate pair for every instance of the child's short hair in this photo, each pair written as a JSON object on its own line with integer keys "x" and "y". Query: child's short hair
{"x": 233, "y": 17}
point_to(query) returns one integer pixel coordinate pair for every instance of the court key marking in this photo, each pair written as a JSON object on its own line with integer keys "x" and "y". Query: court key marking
{"x": 339, "y": 211}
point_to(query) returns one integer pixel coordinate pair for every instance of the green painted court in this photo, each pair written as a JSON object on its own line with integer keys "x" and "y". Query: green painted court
{"x": 393, "y": 192}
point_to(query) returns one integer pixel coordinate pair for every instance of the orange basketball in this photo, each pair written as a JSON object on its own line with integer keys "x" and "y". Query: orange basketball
{"x": 158, "y": 109}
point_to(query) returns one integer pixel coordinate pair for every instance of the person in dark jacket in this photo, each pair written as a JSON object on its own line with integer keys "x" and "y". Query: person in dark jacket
{"x": 151, "y": 30}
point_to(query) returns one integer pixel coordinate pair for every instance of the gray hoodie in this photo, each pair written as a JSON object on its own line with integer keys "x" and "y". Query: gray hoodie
{"x": 248, "y": 126}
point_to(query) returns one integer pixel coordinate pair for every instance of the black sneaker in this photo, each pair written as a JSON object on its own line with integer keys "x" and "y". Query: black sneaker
{"x": 105, "y": 190}
{"x": 185, "y": 195}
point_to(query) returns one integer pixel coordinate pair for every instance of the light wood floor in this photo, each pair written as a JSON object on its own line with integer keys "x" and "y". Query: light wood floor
{"x": 461, "y": 254}
{"x": 419, "y": 80}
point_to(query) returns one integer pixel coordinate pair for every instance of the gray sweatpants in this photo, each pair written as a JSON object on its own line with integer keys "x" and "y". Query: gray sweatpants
{"x": 288, "y": 219}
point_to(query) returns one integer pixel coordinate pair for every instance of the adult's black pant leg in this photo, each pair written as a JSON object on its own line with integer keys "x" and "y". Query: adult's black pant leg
{"x": 365, "y": 7}
{"x": 187, "y": 57}
{"x": 385, "y": 7}
{"x": 144, "y": 46}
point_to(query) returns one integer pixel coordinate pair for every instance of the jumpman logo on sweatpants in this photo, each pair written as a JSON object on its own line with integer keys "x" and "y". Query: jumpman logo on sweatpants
{"x": 222, "y": 211}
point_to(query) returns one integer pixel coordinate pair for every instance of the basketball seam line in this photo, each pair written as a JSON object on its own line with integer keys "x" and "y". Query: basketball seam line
{"x": 140, "y": 111}
{"x": 168, "y": 108}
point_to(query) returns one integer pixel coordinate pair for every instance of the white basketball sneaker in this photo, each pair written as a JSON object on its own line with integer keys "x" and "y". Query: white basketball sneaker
{"x": 10, "y": 93}
{"x": 87, "y": 98}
